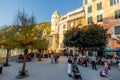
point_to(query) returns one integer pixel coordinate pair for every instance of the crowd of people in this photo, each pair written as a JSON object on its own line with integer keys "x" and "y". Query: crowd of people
{"x": 83, "y": 61}
{"x": 73, "y": 59}
{"x": 31, "y": 56}
{"x": 27, "y": 57}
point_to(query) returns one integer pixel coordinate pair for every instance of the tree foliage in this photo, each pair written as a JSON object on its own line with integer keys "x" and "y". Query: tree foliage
{"x": 90, "y": 36}
{"x": 24, "y": 36}
{"x": 6, "y": 37}
{"x": 6, "y": 41}
{"x": 71, "y": 37}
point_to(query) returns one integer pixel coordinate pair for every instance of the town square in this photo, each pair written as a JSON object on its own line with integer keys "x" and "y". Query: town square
{"x": 60, "y": 40}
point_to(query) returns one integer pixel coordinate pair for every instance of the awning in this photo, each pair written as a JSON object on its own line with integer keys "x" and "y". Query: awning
{"x": 109, "y": 50}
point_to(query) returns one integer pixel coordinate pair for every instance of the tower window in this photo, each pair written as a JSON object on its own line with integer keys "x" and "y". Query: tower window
{"x": 55, "y": 24}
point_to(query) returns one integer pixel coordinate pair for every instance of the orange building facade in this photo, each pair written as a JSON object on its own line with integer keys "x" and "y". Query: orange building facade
{"x": 106, "y": 13}
{"x": 103, "y": 12}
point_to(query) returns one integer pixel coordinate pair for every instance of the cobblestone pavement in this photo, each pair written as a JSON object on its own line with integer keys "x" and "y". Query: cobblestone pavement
{"x": 44, "y": 70}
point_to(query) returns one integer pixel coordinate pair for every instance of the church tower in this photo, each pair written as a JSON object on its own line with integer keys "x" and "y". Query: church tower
{"x": 55, "y": 22}
{"x": 55, "y": 30}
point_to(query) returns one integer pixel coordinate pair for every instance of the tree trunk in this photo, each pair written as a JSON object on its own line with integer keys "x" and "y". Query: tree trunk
{"x": 7, "y": 58}
{"x": 23, "y": 72}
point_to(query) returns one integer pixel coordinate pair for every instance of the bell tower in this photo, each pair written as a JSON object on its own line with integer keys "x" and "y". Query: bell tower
{"x": 55, "y": 30}
{"x": 55, "y": 22}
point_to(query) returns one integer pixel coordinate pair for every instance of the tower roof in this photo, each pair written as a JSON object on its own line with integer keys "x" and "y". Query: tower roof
{"x": 56, "y": 13}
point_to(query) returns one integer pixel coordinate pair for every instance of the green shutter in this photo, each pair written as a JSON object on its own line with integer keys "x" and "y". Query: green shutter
{"x": 111, "y": 2}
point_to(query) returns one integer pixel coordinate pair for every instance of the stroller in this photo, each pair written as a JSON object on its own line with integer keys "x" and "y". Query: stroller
{"x": 75, "y": 70}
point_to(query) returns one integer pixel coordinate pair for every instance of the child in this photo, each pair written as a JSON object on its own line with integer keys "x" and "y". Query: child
{"x": 106, "y": 68}
{"x": 102, "y": 74}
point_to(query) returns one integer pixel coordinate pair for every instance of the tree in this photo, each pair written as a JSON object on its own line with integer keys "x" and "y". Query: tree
{"x": 95, "y": 36}
{"x": 25, "y": 37}
{"x": 72, "y": 36}
{"x": 7, "y": 40}
{"x": 90, "y": 36}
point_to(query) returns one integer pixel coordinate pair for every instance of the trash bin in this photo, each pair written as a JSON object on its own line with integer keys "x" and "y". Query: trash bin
{"x": 1, "y": 67}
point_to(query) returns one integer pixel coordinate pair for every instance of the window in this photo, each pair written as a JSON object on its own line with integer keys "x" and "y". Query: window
{"x": 89, "y": 9}
{"x": 89, "y": 20}
{"x": 99, "y": 18}
{"x": 116, "y": 1}
{"x": 117, "y": 30}
{"x": 64, "y": 26}
{"x": 55, "y": 24}
{"x": 79, "y": 22}
{"x": 117, "y": 14}
{"x": 112, "y": 2}
{"x": 72, "y": 24}
{"x": 99, "y": 6}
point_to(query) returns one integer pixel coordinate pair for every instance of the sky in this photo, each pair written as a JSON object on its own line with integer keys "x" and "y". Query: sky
{"x": 41, "y": 9}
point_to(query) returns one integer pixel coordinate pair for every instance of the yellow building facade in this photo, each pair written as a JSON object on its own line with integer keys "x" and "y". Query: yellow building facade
{"x": 103, "y": 12}
{"x": 107, "y": 14}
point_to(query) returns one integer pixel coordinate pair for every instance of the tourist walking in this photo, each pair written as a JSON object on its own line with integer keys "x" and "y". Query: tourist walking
{"x": 69, "y": 66}
{"x": 93, "y": 59}
{"x": 52, "y": 57}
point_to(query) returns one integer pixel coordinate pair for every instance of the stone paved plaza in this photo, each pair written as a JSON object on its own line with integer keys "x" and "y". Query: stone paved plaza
{"x": 44, "y": 70}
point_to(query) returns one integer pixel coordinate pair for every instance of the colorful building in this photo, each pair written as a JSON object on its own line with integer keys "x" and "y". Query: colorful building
{"x": 103, "y": 12}
{"x": 59, "y": 24}
{"x": 106, "y": 13}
